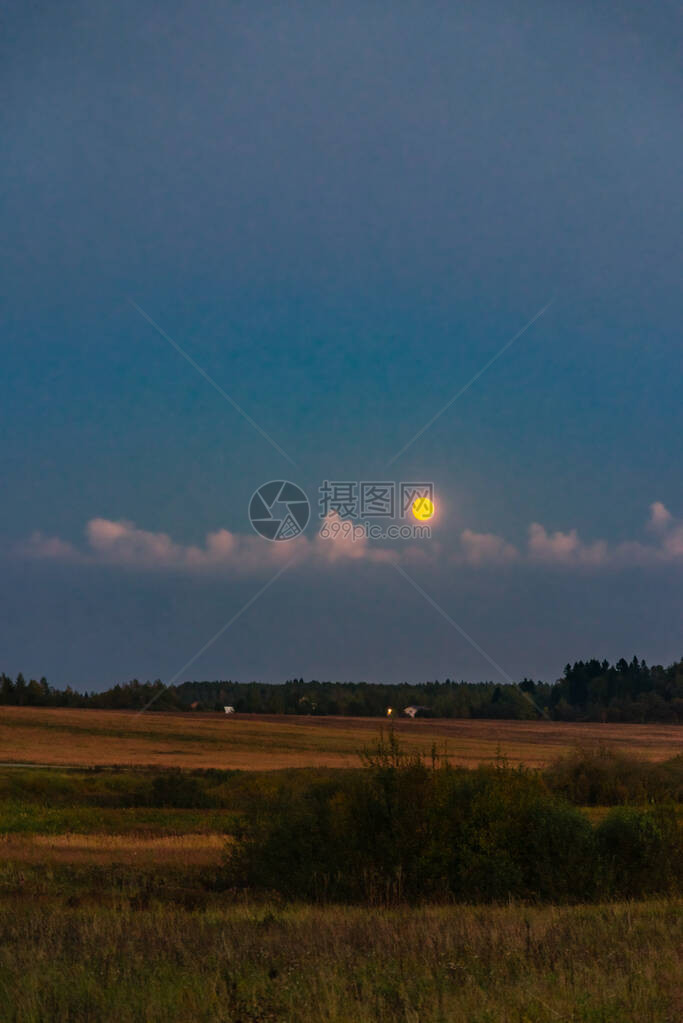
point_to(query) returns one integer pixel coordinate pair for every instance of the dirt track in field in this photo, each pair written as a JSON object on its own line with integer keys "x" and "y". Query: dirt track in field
{"x": 261, "y": 742}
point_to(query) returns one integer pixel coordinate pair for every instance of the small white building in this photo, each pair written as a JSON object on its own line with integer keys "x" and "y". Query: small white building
{"x": 414, "y": 712}
{"x": 229, "y": 710}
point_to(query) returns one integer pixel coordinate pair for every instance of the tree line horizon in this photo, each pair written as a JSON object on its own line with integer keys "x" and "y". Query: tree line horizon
{"x": 592, "y": 690}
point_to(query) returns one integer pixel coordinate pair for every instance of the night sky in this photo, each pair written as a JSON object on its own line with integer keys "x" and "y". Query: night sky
{"x": 341, "y": 213}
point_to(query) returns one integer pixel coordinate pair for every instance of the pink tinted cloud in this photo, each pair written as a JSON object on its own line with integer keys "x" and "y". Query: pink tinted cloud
{"x": 566, "y": 548}
{"x": 122, "y": 543}
{"x": 48, "y": 548}
{"x": 486, "y": 548}
{"x": 660, "y": 517}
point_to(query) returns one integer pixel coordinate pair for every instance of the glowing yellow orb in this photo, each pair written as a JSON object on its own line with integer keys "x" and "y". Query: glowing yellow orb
{"x": 423, "y": 508}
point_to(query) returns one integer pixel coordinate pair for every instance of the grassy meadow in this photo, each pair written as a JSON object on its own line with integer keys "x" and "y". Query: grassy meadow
{"x": 117, "y": 903}
{"x": 261, "y": 963}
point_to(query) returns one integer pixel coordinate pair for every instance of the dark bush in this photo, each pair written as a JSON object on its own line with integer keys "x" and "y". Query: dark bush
{"x": 556, "y": 850}
{"x": 602, "y": 777}
{"x": 406, "y": 829}
{"x": 640, "y": 851}
{"x": 178, "y": 789}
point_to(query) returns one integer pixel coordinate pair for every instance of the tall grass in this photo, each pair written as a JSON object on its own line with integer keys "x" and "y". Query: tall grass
{"x": 252, "y": 964}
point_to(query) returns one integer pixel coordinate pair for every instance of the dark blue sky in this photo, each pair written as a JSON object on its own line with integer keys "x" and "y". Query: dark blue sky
{"x": 341, "y": 212}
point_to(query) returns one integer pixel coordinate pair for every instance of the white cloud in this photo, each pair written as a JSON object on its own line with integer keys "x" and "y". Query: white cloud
{"x": 122, "y": 543}
{"x": 48, "y": 547}
{"x": 669, "y": 529}
{"x": 660, "y": 516}
{"x": 565, "y": 548}
{"x": 341, "y": 541}
{"x": 486, "y": 548}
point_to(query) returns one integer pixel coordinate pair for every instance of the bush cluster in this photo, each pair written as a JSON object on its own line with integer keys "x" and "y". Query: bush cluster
{"x": 404, "y": 828}
{"x": 602, "y": 777}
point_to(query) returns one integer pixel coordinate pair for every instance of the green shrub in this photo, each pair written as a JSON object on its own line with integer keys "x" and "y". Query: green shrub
{"x": 556, "y": 852}
{"x": 404, "y": 829}
{"x": 602, "y": 777}
{"x": 178, "y": 789}
{"x": 641, "y": 851}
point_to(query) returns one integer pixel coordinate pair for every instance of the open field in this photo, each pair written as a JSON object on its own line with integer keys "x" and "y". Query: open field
{"x": 262, "y": 963}
{"x": 254, "y": 742}
{"x": 116, "y": 904}
{"x": 134, "y": 850}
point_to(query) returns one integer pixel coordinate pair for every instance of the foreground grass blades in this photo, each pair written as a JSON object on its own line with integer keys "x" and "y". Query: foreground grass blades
{"x": 254, "y": 963}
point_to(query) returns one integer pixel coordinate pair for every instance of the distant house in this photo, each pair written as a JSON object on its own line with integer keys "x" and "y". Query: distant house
{"x": 416, "y": 712}
{"x": 229, "y": 710}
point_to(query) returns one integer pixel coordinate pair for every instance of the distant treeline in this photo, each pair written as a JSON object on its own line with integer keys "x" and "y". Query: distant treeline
{"x": 588, "y": 691}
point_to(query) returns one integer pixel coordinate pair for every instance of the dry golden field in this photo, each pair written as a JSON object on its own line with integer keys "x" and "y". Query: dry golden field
{"x": 133, "y": 850}
{"x": 261, "y": 742}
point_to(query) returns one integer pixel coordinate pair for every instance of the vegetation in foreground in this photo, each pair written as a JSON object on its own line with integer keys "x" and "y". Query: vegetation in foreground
{"x": 159, "y": 802}
{"x": 137, "y": 925}
{"x": 405, "y": 828}
{"x": 261, "y": 963}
